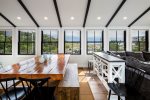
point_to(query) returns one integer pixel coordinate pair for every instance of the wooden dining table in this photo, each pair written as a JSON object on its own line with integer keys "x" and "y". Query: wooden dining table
{"x": 53, "y": 68}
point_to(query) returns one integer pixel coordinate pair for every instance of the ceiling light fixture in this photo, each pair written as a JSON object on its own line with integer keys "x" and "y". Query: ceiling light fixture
{"x": 19, "y": 18}
{"x": 98, "y": 18}
{"x": 45, "y": 18}
{"x": 72, "y": 18}
{"x": 125, "y": 18}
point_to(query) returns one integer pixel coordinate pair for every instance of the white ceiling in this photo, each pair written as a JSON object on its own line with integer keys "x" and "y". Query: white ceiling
{"x": 40, "y": 9}
{"x": 144, "y": 21}
{"x": 102, "y": 8}
{"x": 76, "y": 8}
{"x": 4, "y": 22}
{"x": 12, "y": 9}
{"x": 131, "y": 9}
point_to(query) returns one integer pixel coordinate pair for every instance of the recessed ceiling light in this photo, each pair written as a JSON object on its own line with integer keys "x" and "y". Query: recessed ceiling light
{"x": 98, "y": 18}
{"x": 125, "y": 18}
{"x": 19, "y": 18}
{"x": 45, "y": 18}
{"x": 71, "y": 18}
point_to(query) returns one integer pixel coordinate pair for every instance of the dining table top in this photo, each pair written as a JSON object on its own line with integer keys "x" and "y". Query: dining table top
{"x": 54, "y": 68}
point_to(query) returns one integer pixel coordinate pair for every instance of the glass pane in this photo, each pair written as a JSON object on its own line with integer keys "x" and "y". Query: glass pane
{"x": 112, "y": 35}
{"x": 98, "y": 47}
{"x": 46, "y": 35}
{"x": 134, "y": 35}
{"x": 1, "y": 48}
{"x": 112, "y": 46}
{"x": 23, "y": 48}
{"x": 98, "y": 35}
{"x": 135, "y": 46}
{"x": 142, "y": 46}
{"x": 142, "y": 35}
{"x": 31, "y": 48}
{"x": 23, "y": 36}
{"x": 76, "y": 35}
{"x": 68, "y": 48}
{"x": 2, "y": 36}
{"x": 121, "y": 46}
{"x": 54, "y": 35}
{"x": 90, "y": 48}
{"x": 54, "y": 48}
{"x": 46, "y": 49}
{"x": 120, "y": 35}
{"x": 8, "y": 48}
{"x": 90, "y": 35}
{"x": 76, "y": 48}
{"x": 31, "y": 36}
{"x": 8, "y": 36}
{"x": 68, "y": 35}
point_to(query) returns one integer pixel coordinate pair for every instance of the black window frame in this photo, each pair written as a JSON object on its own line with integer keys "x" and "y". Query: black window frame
{"x": 102, "y": 41}
{"x": 72, "y": 41}
{"x": 19, "y": 42}
{"x": 50, "y": 42}
{"x": 146, "y": 40}
{"x": 5, "y": 42}
{"x": 124, "y": 37}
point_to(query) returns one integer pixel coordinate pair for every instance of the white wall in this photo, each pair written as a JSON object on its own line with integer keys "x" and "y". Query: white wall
{"x": 80, "y": 59}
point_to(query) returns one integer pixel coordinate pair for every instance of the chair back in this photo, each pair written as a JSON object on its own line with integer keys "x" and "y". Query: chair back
{"x": 5, "y": 84}
{"x": 34, "y": 87}
{"x": 135, "y": 79}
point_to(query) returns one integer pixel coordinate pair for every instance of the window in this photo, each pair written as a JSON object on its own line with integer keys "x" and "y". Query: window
{"x": 72, "y": 42}
{"x": 26, "y": 44}
{"x": 117, "y": 40}
{"x": 6, "y": 42}
{"x": 94, "y": 41}
{"x": 139, "y": 40}
{"x": 49, "y": 41}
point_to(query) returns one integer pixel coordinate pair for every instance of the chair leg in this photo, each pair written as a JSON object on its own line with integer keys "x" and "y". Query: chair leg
{"x": 109, "y": 94}
{"x": 118, "y": 97}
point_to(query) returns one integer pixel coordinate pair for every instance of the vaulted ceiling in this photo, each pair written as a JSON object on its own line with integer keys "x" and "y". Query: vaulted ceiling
{"x": 104, "y": 9}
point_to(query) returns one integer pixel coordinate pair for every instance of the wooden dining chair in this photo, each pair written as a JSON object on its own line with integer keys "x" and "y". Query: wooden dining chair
{"x": 11, "y": 92}
{"x": 129, "y": 90}
{"x": 38, "y": 89}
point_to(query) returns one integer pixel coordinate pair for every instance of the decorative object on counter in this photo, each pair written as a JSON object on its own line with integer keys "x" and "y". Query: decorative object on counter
{"x": 41, "y": 60}
{"x": 1, "y": 67}
{"x": 16, "y": 66}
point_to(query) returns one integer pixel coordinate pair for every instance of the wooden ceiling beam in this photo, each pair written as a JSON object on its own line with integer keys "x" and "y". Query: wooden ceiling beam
{"x": 115, "y": 13}
{"x": 86, "y": 13}
{"x": 7, "y": 20}
{"x": 27, "y": 11}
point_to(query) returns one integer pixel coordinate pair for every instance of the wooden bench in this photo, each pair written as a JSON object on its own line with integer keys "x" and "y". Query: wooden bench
{"x": 68, "y": 88}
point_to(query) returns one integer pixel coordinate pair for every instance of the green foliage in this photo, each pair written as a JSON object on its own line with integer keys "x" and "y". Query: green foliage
{"x": 50, "y": 44}
{"x": 5, "y": 42}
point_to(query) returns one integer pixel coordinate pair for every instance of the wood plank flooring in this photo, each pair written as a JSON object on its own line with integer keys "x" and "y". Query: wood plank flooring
{"x": 91, "y": 87}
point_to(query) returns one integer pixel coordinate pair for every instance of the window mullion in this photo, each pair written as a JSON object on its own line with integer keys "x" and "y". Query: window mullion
{"x": 27, "y": 42}
{"x": 116, "y": 41}
{"x": 94, "y": 41}
{"x": 72, "y": 41}
{"x": 4, "y": 41}
{"x": 50, "y": 43}
{"x": 138, "y": 41}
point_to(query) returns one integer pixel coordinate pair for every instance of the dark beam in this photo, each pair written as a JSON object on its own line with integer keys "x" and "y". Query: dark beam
{"x": 86, "y": 13}
{"x": 7, "y": 20}
{"x": 139, "y": 16}
{"x": 113, "y": 16}
{"x": 27, "y": 11}
{"x": 57, "y": 12}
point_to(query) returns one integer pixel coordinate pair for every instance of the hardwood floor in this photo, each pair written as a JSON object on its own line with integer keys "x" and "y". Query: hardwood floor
{"x": 91, "y": 87}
